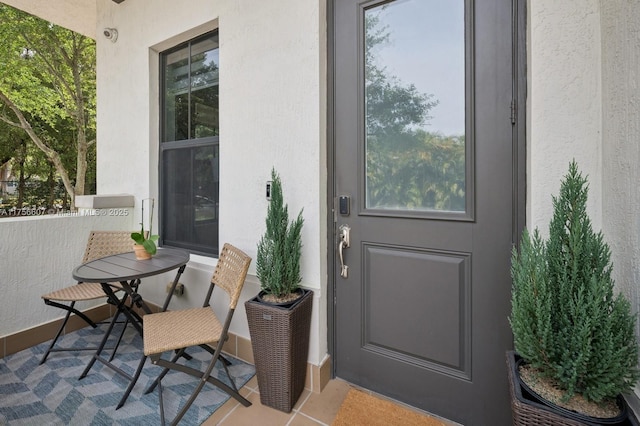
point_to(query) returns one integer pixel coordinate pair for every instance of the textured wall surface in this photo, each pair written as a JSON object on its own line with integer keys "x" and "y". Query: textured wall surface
{"x": 564, "y": 103}
{"x": 621, "y": 136}
{"x": 37, "y": 256}
{"x": 584, "y": 103}
{"x": 272, "y": 113}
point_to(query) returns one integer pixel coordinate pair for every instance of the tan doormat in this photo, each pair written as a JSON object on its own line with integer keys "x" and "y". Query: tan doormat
{"x": 360, "y": 408}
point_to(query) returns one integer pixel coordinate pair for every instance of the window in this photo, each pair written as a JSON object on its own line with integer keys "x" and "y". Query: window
{"x": 189, "y": 146}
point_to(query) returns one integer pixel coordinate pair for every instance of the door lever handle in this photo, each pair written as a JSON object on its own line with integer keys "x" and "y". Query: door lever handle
{"x": 343, "y": 244}
{"x": 344, "y": 269}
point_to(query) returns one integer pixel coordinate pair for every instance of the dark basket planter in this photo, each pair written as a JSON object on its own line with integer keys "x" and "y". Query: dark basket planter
{"x": 280, "y": 343}
{"x": 530, "y": 409}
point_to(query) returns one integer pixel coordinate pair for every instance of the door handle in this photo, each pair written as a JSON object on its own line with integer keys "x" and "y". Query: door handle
{"x": 343, "y": 244}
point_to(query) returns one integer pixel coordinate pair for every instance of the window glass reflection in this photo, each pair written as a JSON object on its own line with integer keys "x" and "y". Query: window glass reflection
{"x": 415, "y": 105}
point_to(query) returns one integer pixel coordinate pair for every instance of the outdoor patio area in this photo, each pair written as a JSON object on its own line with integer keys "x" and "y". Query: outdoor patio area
{"x": 394, "y": 172}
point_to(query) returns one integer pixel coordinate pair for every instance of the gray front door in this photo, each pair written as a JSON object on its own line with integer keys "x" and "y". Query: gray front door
{"x": 425, "y": 182}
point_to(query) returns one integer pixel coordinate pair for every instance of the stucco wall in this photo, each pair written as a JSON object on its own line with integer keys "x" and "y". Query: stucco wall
{"x": 272, "y": 109}
{"x": 564, "y": 103}
{"x": 621, "y": 135}
{"x": 584, "y": 103}
{"x": 37, "y": 256}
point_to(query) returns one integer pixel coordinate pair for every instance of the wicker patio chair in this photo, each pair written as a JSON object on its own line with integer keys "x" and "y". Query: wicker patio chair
{"x": 181, "y": 329}
{"x": 99, "y": 244}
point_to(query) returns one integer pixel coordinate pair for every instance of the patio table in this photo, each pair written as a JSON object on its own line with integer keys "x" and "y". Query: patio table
{"x": 127, "y": 270}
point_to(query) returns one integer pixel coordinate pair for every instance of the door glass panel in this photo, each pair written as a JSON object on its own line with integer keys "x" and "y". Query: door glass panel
{"x": 415, "y": 106}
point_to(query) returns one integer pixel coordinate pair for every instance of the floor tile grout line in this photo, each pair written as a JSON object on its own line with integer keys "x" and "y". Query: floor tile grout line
{"x": 309, "y": 417}
{"x": 235, "y": 407}
{"x": 294, "y": 411}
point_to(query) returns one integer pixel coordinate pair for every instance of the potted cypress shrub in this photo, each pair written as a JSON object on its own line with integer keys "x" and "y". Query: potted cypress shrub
{"x": 575, "y": 346}
{"x": 279, "y": 317}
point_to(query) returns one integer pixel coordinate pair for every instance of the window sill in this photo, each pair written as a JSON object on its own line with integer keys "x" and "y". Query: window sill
{"x": 201, "y": 262}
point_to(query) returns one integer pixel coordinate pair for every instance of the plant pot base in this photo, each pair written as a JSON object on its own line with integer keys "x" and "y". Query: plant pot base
{"x": 527, "y": 409}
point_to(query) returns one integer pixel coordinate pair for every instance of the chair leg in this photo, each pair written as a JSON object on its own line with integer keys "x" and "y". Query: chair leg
{"x": 101, "y": 347}
{"x": 203, "y": 377}
{"x": 162, "y": 420}
{"x": 132, "y": 382}
{"x": 212, "y": 352}
{"x": 187, "y": 405}
{"x": 115, "y": 348}
{"x": 55, "y": 339}
{"x": 178, "y": 354}
{"x": 70, "y": 309}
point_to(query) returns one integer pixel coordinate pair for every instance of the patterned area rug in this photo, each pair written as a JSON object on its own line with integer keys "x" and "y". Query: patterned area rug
{"x": 51, "y": 394}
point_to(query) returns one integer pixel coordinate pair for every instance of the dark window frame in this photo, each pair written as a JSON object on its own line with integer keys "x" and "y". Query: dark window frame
{"x": 186, "y": 147}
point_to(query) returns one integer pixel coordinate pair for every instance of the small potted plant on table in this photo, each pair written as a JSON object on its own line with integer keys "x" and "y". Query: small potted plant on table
{"x": 279, "y": 316}
{"x": 575, "y": 345}
{"x": 145, "y": 241}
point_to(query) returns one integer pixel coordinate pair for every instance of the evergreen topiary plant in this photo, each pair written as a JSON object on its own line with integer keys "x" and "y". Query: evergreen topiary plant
{"x": 279, "y": 249}
{"x": 567, "y": 323}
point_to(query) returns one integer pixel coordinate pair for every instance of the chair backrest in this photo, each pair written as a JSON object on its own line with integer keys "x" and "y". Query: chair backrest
{"x": 106, "y": 243}
{"x": 230, "y": 273}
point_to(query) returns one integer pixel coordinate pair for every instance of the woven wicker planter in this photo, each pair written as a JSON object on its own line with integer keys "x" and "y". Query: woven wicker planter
{"x": 280, "y": 342}
{"x": 527, "y": 411}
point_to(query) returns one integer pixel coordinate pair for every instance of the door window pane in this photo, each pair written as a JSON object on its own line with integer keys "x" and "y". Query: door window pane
{"x": 415, "y": 106}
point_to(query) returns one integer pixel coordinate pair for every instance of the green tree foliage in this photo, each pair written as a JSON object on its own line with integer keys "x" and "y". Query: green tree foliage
{"x": 407, "y": 167}
{"x": 48, "y": 89}
{"x": 431, "y": 175}
{"x": 9, "y": 141}
{"x": 280, "y": 248}
{"x": 565, "y": 318}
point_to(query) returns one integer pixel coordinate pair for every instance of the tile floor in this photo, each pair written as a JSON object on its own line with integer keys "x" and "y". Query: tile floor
{"x": 311, "y": 409}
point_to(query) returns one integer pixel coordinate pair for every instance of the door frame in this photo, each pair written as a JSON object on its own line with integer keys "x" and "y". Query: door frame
{"x": 518, "y": 108}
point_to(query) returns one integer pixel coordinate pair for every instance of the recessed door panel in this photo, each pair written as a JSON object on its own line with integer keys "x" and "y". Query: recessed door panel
{"x": 430, "y": 289}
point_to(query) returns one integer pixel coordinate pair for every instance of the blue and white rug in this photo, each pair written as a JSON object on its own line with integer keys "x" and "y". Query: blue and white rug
{"x": 51, "y": 394}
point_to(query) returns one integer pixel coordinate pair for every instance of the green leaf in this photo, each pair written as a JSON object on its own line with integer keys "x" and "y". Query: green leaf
{"x": 149, "y": 246}
{"x": 137, "y": 237}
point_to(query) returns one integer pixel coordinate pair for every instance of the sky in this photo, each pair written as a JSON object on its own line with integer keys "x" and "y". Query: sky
{"x": 426, "y": 48}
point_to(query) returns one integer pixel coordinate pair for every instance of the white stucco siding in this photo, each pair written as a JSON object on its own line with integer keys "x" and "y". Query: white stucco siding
{"x": 37, "y": 256}
{"x": 584, "y": 103}
{"x": 564, "y": 103}
{"x": 621, "y": 133}
{"x": 272, "y": 97}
